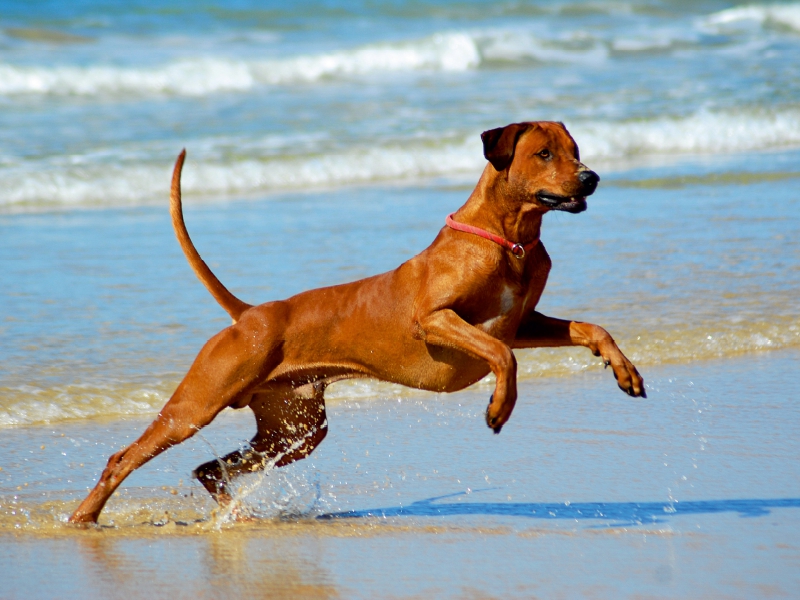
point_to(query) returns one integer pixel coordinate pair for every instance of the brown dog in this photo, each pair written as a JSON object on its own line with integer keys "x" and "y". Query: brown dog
{"x": 440, "y": 321}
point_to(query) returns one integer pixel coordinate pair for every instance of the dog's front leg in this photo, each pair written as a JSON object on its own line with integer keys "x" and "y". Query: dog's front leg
{"x": 445, "y": 328}
{"x": 538, "y": 331}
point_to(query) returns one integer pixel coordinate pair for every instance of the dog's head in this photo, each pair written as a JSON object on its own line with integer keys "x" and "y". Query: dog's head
{"x": 541, "y": 164}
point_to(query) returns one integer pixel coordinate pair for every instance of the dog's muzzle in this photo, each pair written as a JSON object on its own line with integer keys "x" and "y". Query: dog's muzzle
{"x": 572, "y": 204}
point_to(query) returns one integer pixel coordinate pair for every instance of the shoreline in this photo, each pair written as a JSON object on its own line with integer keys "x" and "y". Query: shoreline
{"x": 697, "y": 487}
{"x": 366, "y": 390}
{"x": 68, "y": 454}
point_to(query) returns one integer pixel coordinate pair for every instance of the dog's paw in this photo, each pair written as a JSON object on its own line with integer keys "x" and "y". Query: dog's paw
{"x": 628, "y": 379}
{"x": 491, "y": 421}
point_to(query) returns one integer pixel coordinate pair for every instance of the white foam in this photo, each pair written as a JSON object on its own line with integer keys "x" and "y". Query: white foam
{"x": 205, "y": 75}
{"x": 446, "y": 51}
{"x": 786, "y": 15}
{"x": 704, "y": 132}
{"x": 703, "y": 340}
{"x": 202, "y": 75}
{"x": 191, "y": 77}
{"x": 440, "y": 52}
{"x": 516, "y": 45}
{"x": 654, "y": 39}
{"x": 141, "y": 175}
{"x": 27, "y": 405}
{"x": 83, "y": 182}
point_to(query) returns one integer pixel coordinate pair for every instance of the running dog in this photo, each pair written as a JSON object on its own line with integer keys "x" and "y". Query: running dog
{"x": 440, "y": 322}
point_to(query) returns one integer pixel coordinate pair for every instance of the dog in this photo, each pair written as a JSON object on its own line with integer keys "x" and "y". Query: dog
{"x": 441, "y": 321}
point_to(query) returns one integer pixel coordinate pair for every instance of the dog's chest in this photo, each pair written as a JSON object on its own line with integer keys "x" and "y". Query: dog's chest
{"x": 502, "y": 311}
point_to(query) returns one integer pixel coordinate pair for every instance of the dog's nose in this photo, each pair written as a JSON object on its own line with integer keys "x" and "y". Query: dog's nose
{"x": 589, "y": 181}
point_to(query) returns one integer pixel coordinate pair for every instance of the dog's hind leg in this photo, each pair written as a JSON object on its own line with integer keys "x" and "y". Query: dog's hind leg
{"x": 228, "y": 367}
{"x": 177, "y": 421}
{"x": 290, "y": 422}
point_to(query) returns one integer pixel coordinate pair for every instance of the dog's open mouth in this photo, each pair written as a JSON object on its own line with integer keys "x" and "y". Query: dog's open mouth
{"x": 571, "y": 204}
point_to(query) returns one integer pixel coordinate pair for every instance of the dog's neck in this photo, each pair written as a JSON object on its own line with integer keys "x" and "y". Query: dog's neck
{"x": 497, "y": 208}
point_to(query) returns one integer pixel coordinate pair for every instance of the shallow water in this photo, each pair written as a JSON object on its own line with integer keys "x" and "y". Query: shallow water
{"x": 692, "y": 492}
{"x": 104, "y": 316}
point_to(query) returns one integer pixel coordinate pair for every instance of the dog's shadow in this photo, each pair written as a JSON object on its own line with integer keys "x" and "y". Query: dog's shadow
{"x": 610, "y": 514}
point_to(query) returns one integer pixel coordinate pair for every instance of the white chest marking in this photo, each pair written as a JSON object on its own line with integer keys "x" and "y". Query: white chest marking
{"x": 506, "y": 305}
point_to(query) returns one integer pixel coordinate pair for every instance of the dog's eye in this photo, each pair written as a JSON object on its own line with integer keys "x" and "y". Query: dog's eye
{"x": 545, "y": 153}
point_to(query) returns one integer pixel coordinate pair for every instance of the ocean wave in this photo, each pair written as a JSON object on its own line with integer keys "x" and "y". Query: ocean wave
{"x": 102, "y": 184}
{"x": 190, "y": 77}
{"x": 655, "y": 39}
{"x": 782, "y": 15}
{"x": 206, "y": 75}
{"x": 31, "y": 404}
{"x": 704, "y": 132}
{"x": 206, "y": 72}
{"x": 523, "y": 45}
{"x": 445, "y": 51}
{"x": 131, "y": 176}
{"x": 200, "y": 76}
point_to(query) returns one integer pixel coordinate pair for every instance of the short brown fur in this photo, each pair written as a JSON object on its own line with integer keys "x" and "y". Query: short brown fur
{"x": 441, "y": 321}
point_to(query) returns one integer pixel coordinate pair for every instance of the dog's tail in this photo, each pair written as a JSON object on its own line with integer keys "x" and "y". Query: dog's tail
{"x": 232, "y": 305}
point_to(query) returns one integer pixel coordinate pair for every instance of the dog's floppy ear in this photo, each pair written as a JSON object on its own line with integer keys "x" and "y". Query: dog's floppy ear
{"x": 499, "y": 144}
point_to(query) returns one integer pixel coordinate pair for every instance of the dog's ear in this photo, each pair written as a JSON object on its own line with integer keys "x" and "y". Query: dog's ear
{"x": 499, "y": 144}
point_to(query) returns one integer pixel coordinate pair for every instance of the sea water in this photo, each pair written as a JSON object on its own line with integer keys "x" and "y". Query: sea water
{"x": 326, "y": 142}
{"x": 98, "y": 99}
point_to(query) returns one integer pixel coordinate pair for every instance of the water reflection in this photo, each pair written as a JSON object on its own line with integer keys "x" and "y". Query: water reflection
{"x": 227, "y": 564}
{"x": 614, "y": 513}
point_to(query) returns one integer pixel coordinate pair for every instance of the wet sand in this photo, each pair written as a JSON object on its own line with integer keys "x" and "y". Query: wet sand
{"x": 691, "y": 493}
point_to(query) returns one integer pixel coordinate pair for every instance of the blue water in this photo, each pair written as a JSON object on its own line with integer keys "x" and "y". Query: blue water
{"x": 97, "y": 99}
{"x": 104, "y": 316}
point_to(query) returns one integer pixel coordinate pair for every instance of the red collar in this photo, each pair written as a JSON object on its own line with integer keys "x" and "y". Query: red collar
{"x": 517, "y": 250}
